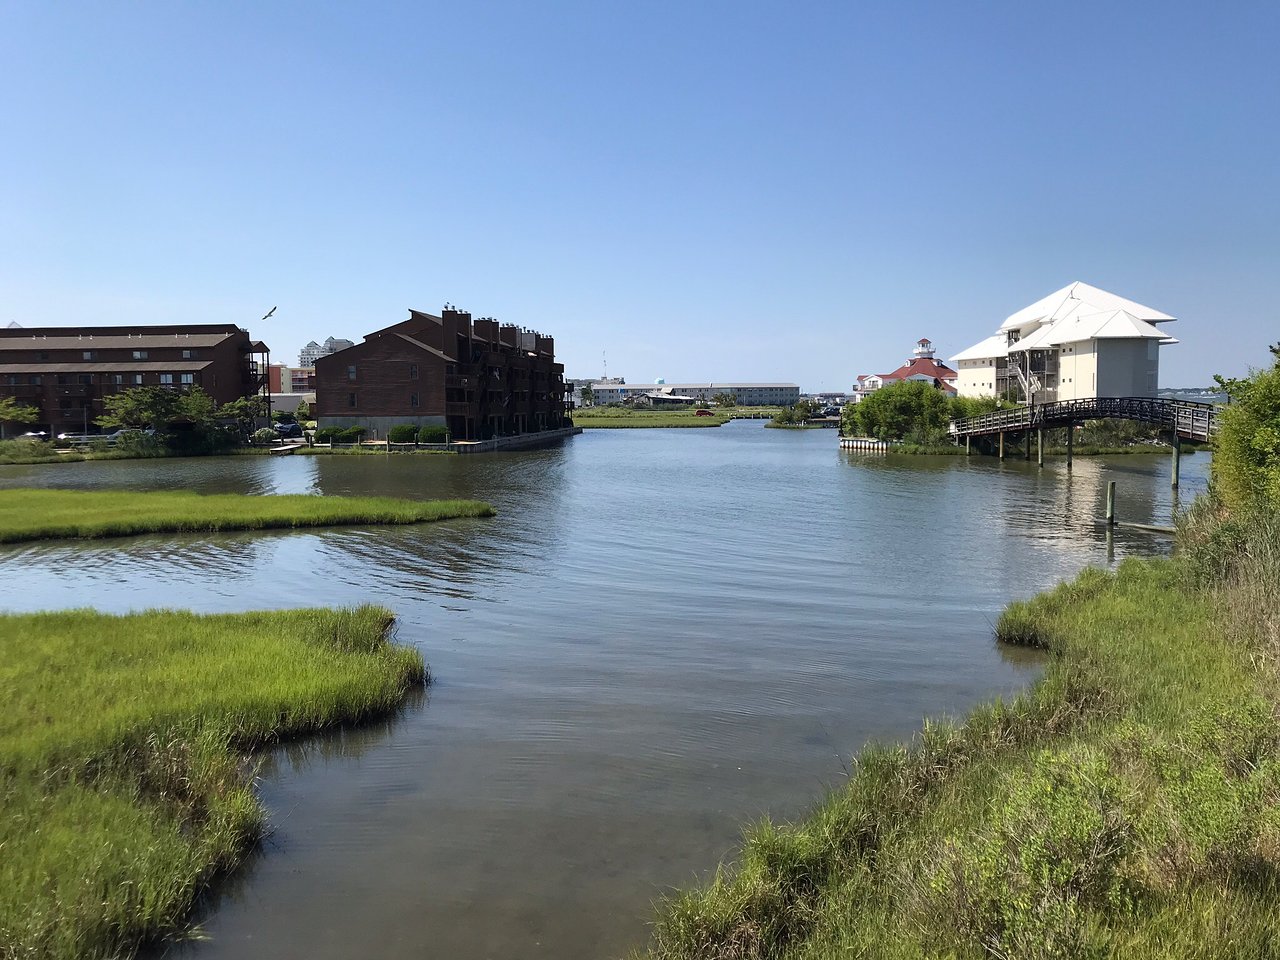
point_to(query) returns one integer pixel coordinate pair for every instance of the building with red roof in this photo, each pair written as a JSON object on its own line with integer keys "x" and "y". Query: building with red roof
{"x": 921, "y": 366}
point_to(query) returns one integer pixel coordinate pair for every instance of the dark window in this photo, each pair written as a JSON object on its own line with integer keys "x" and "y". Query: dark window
{"x": 85, "y": 378}
{"x": 413, "y": 374}
{"x": 11, "y": 380}
{"x": 139, "y": 354}
{"x": 189, "y": 354}
{"x": 351, "y": 375}
{"x": 44, "y": 356}
{"x": 351, "y": 397}
{"x": 62, "y": 378}
{"x": 413, "y": 399}
{"x": 36, "y": 380}
{"x": 90, "y": 354}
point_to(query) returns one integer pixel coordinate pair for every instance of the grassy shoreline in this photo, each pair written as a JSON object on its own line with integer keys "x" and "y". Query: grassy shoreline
{"x": 28, "y": 514}
{"x": 124, "y": 786}
{"x": 1127, "y": 805}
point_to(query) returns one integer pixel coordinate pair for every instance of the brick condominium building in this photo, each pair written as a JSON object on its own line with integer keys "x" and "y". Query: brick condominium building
{"x": 480, "y": 379}
{"x": 64, "y": 372}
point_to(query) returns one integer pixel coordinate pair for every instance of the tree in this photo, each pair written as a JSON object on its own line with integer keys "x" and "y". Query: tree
{"x": 304, "y": 410}
{"x": 1246, "y": 460}
{"x": 11, "y": 411}
{"x": 909, "y": 410}
{"x": 587, "y": 394}
{"x": 139, "y": 407}
{"x": 246, "y": 411}
{"x": 197, "y": 406}
{"x": 725, "y": 399}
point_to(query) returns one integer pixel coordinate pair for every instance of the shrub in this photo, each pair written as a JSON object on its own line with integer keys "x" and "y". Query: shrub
{"x": 328, "y": 434}
{"x": 352, "y": 435}
{"x": 1246, "y": 462}
{"x": 433, "y": 434}
{"x": 404, "y": 433}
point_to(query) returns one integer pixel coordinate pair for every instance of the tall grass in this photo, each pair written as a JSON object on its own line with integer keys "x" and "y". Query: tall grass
{"x": 123, "y": 782}
{"x": 1127, "y": 805}
{"x": 58, "y": 514}
{"x": 623, "y": 418}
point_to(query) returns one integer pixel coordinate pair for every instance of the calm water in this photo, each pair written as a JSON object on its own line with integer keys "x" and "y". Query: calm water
{"x": 663, "y": 634}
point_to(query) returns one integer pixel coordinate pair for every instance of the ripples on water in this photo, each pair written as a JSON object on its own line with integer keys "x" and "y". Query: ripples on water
{"x": 662, "y": 634}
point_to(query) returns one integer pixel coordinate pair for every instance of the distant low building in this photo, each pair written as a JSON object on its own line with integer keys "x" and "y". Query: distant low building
{"x": 314, "y": 351}
{"x": 479, "y": 379}
{"x": 744, "y": 394}
{"x": 921, "y": 366}
{"x": 286, "y": 379}
{"x": 1078, "y": 343}
{"x": 66, "y": 372}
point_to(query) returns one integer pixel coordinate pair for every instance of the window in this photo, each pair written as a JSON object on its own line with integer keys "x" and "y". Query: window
{"x": 62, "y": 378}
{"x": 85, "y": 379}
{"x": 139, "y": 354}
{"x": 118, "y": 379}
{"x": 36, "y": 380}
{"x": 188, "y": 379}
{"x": 351, "y": 399}
{"x": 44, "y": 355}
{"x": 137, "y": 379}
{"x": 166, "y": 379}
{"x": 90, "y": 354}
{"x": 413, "y": 374}
{"x": 413, "y": 399}
{"x": 190, "y": 354}
{"x": 351, "y": 375}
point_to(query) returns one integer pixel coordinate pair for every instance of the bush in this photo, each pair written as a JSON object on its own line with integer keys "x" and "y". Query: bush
{"x": 264, "y": 435}
{"x": 405, "y": 433}
{"x": 328, "y": 434}
{"x": 1246, "y": 462}
{"x": 434, "y": 434}
{"x": 352, "y": 435}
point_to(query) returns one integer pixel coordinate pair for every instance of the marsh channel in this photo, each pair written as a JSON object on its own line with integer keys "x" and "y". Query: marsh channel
{"x": 662, "y": 635}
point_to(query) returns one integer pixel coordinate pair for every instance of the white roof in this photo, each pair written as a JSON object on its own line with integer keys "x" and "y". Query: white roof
{"x": 993, "y": 346}
{"x": 1111, "y": 325}
{"x": 1071, "y": 299}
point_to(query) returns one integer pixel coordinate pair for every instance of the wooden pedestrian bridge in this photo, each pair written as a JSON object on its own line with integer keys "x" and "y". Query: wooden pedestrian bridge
{"x": 1183, "y": 419}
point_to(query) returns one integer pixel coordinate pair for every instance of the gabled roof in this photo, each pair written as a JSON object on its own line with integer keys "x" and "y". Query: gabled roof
{"x": 1109, "y": 325}
{"x": 994, "y": 346}
{"x": 1070, "y": 298}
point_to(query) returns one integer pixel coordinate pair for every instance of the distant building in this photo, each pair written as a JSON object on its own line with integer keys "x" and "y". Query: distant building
{"x": 921, "y": 366}
{"x": 65, "y": 372}
{"x": 479, "y": 379}
{"x": 744, "y": 394}
{"x": 1078, "y": 343}
{"x": 314, "y": 351}
{"x": 286, "y": 379}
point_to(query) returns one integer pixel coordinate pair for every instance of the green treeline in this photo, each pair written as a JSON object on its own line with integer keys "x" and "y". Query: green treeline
{"x": 1126, "y": 806}
{"x": 911, "y": 411}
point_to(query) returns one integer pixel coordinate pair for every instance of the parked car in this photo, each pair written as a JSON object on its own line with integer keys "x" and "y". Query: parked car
{"x": 35, "y": 435}
{"x": 289, "y": 430}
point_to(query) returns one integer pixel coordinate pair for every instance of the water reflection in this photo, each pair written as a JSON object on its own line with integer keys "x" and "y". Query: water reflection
{"x": 661, "y": 635}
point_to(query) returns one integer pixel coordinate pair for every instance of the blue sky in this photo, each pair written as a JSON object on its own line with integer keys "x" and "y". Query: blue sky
{"x": 710, "y": 190}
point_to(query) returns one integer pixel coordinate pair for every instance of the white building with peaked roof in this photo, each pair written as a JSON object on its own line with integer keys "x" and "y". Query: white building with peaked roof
{"x": 1077, "y": 343}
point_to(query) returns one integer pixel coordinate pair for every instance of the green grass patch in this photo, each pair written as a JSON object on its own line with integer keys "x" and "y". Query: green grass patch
{"x": 1126, "y": 805}
{"x": 75, "y": 514}
{"x": 124, "y": 786}
{"x": 627, "y": 418}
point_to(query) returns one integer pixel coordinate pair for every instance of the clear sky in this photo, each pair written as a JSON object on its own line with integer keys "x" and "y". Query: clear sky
{"x": 701, "y": 190}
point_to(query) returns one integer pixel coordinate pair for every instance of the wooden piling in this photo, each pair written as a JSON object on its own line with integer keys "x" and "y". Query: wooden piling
{"x": 1177, "y": 459}
{"x": 1040, "y": 446}
{"x": 966, "y": 444}
{"x": 1001, "y": 444}
{"x": 1111, "y": 503}
{"x": 1071, "y": 437}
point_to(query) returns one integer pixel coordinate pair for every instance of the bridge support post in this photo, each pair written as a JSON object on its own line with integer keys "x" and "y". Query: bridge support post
{"x": 1071, "y": 436}
{"x": 1040, "y": 446}
{"x": 1111, "y": 503}
{"x": 1026, "y": 446}
{"x": 1177, "y": 459}
{"x": 1001, "y": 444}
{"x": 966, "y": 445}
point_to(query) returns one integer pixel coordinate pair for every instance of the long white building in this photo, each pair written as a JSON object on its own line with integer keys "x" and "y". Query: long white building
{"x": 745, "y": 394}
{"x": 1078, "y": 343}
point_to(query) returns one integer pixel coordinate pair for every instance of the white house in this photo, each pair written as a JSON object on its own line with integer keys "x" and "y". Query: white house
{"x": 1077, "y": 343}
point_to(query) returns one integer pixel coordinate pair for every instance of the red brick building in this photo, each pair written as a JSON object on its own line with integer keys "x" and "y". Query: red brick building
{"x": 480, "y": 379}
{"x": 65, "y": 372}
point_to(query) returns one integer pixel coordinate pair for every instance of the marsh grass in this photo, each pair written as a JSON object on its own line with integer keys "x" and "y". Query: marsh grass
{"x": 1126, "y": 805}
{"x": 27, "y": 514}
{"x": 632, "y": 418}
{"x": 124, "y": 786}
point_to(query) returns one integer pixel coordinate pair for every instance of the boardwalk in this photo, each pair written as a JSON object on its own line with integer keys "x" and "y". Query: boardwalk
{"x": 1187, "y": 420}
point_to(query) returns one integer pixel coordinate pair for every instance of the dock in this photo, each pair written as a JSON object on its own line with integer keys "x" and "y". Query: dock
{"x": 868, "y": 444}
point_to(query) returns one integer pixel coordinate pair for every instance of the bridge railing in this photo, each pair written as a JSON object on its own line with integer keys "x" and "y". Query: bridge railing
{"x": 1188, "y": 419}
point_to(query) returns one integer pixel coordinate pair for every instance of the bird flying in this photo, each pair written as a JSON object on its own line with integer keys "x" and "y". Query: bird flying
{"x": 269, "y": 313}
